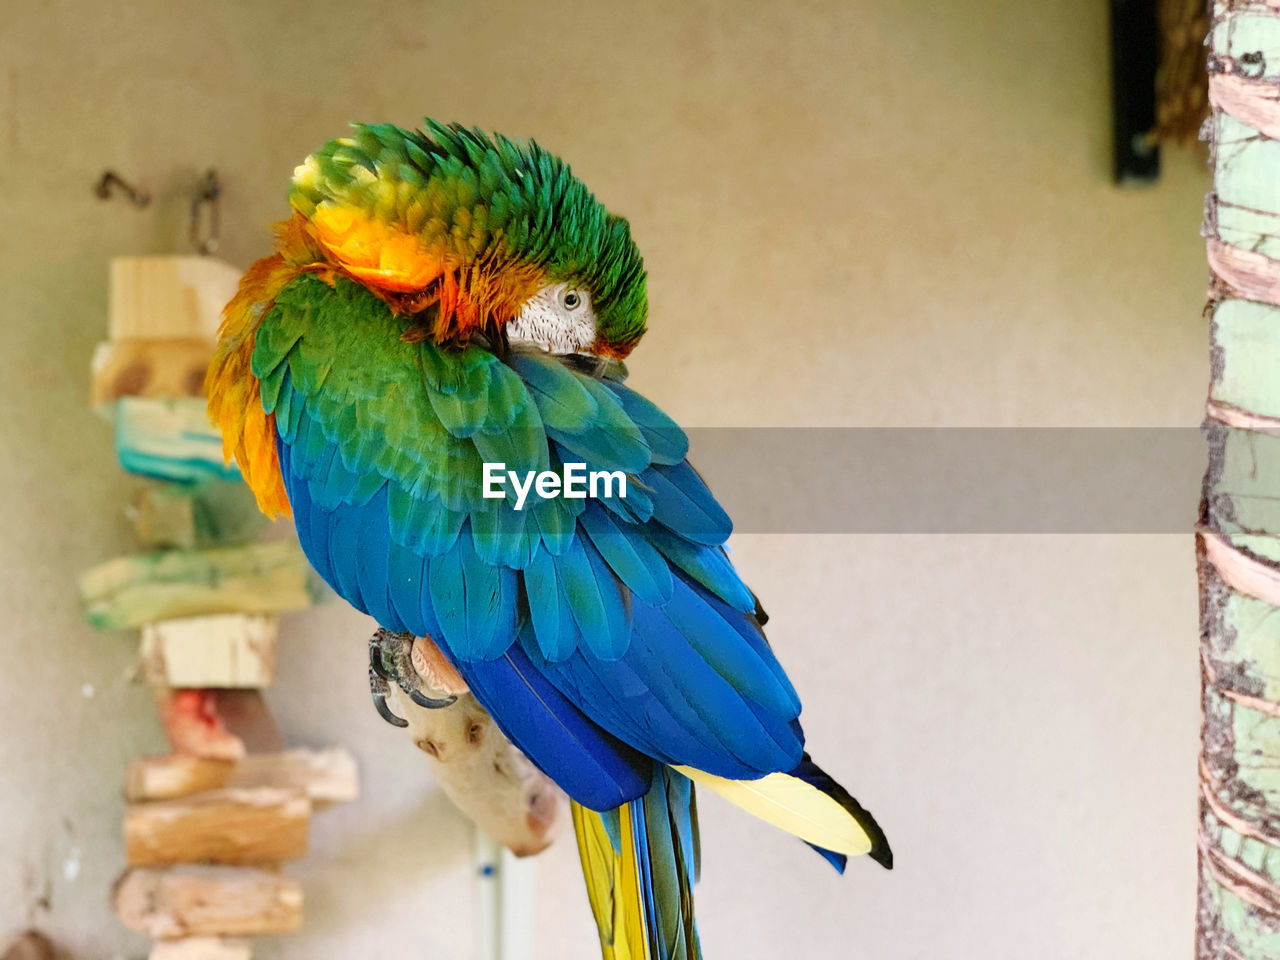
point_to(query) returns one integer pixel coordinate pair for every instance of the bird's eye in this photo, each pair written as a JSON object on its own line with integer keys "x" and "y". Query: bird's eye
{"x": 570, "y": 300}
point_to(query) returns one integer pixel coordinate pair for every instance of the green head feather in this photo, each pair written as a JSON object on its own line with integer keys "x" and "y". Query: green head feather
{"x": 487, "y": 202}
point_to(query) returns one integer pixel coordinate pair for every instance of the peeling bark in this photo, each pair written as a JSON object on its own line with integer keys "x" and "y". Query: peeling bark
{"x": 1237, "y": 549}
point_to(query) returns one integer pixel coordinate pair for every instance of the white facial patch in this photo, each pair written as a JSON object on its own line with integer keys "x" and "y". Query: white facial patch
{"x": 558, "y": 318}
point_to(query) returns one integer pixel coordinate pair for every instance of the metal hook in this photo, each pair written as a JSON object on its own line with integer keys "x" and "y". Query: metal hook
{"x": 138, "y": 196}
{"x": 204, "y": 229}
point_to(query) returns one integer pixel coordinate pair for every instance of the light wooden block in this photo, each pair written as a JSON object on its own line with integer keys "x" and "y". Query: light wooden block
{"x": 169, "y": 438}
{"x": 231, "y": 826}
{"x": 153, "y": 367}
{"x": 325, "y": 776}
{"x": 168, "y": 296}
{"x": 222, "y": 650}
{"x": 173, "y": 775}
{"x": 201, "y": 948}
{"x": 255, "y": 578}
{"x": 208, "y": 901}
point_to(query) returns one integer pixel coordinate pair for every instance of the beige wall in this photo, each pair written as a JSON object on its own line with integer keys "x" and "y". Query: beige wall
{"x": 853, "y": 213}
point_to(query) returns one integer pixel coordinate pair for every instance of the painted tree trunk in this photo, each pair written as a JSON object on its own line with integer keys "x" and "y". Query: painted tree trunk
{"x": 1237, "y": 548}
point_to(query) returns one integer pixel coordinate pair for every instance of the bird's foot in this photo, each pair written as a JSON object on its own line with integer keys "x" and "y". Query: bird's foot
{"x": 391, "y": 660}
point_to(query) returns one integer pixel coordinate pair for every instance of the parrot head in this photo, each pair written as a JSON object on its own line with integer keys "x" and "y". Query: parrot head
{"x": 462, "y": 235}
{"x": 465, "y": 234}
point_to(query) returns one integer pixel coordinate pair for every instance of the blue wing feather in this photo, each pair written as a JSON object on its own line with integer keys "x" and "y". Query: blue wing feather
{"x": 667, "y": 443}
{"x": 344, "y": 540}
{"x": 598, "y": 634}
{"x": 629, "y": 555}
{"x": 446, "y": 587}
{"x": 748, "y": 668}
{"x": 612, "y": 642}
{"x": 554, "y": 627}
{"x": 708, "y": 565}
{"x": 373, "y": 558}
{"x": 593, "y": 767}
{"x": 406, "y": 590}
{"x": 683, "y": 504}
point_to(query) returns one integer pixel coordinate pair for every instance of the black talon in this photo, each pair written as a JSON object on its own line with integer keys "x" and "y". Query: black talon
{"x": 422, "y": 700}
{"x": 378, "y": 687}
{"x": 380, "y": 704}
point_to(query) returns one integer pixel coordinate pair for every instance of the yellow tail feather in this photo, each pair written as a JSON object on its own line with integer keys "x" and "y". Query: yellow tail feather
{"x": 793, "y": 805}
{"x": 613, "y": 885}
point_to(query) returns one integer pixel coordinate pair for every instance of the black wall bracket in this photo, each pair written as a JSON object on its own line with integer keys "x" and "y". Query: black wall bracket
{"x": 1135, "y": 57}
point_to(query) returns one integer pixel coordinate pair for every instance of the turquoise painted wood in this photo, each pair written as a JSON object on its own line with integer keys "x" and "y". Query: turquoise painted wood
{"x": 169, "y": 438}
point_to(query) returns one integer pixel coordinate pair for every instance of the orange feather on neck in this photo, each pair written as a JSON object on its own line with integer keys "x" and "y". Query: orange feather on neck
{"x": 235, "y": 394}
{"x": 397, "y": 267}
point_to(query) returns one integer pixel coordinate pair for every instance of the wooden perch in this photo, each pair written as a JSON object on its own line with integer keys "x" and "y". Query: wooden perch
{"x": 325, "y": 776}
{"x": 479, "y": 769}
{"x": 201, "y": 948}
{"x": 255, "y": 578}
{"x": 235, "y": 826}
{"x": 222, "y": 650}
{"x": 169, "y": 438}
{"x": 208, "y": 901}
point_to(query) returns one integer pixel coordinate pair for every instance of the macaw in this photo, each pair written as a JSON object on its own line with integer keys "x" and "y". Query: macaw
{"x": 442, "y": 299}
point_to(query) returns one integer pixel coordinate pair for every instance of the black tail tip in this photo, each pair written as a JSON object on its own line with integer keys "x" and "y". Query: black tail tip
{"x": 880, "y": 851}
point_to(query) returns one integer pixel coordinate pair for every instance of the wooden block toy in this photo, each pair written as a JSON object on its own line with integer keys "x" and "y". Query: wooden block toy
{"x": 152, "y": 367}
{"x": 200, "y": 900}
{"x": 164, "y": 516}
{"x": 174, "y": 775}
{"x": 201, "y": 948}
{"x": 206, "y": 825}
{"x": 168, "y": 296}
{"x": 325, "y": 776}
{"x": 221, "y": 650}
{"x": 255, "y": 578}
{"x": 231, "y": 826}
{"x": 188, "y": 515}
{"x": 169, "y": 438}
{"x": 194, "y": 725}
